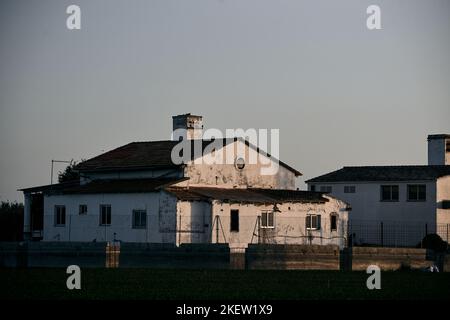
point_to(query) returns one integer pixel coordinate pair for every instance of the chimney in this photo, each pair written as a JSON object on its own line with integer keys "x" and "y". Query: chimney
{"x": 187, "y": 127}
{"x": 439, "y": 149}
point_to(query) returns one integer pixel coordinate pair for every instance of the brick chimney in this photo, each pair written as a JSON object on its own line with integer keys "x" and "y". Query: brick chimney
{"x": 187, "y": 127}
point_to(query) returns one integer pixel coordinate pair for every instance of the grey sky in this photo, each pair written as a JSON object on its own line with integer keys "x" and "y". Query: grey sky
{"x": 339, "y": 93}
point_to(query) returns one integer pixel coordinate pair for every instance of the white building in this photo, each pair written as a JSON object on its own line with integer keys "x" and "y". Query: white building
{"x": 136, "y": 193}
{"x": 404, "y": 198}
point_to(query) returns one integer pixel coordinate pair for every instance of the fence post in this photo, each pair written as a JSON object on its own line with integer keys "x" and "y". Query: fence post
{"x": 217, "y": 229}
{"x": 381, "y": 234}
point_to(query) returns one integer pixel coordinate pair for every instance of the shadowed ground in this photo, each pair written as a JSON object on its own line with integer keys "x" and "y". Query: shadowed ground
{"x": 220, "y": 284}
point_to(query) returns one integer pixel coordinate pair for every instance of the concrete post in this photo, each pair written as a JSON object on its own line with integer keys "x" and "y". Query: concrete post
{"x": 237, "y": 257}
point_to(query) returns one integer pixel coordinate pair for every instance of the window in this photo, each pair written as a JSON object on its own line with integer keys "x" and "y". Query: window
{"x": 267, "y": 220}
{"x": 389, "y": 193}
{"x": 313, "y": 222}
{"x": 234, "y": 221}
{"x": 445, "y": 204}
{"x": 333, "y": 222}
{"x": 349, "y": 189}
{"x": 105, "y": 214}
{"x": 60, "y": 216}
{"x": 82, "y": 209}
{"x": 240, "y": 163}
{"x": 139, "y": 219}
{"x": 313, "y": 188}
{"x": 326, "y": 189}
{"x": 417, "y": 192}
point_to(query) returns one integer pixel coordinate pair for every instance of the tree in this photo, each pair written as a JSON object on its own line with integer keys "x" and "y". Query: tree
{"x": 11, "y": 221}
{"x": 70, "y": 173}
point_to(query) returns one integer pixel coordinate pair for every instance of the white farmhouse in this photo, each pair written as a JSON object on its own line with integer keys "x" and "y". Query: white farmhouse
{"x": 136, "y": 193}
{"x": 399, "y": 199}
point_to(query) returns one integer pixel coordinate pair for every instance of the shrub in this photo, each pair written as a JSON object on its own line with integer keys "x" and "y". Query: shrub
{"x": 433, "y": 242}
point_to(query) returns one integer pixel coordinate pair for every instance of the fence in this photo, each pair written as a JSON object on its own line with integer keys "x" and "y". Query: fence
{"x": 283, "y": 228}
{"x": 393, "y": 233}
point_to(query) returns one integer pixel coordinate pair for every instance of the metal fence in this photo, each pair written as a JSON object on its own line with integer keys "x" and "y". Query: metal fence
{"x": 393, "y": 233}
{"x": 250, "y": 229}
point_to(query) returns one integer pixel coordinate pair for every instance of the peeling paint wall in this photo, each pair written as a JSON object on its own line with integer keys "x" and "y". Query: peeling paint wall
{"x": 227, "y": 175}
{"x": 289, "y": 224}
{"x": 193, "y": 222}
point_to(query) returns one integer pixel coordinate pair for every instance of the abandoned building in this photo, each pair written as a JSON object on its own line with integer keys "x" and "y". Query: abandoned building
{"x": 403, "y": 198}
{"x": 136, "y": 193}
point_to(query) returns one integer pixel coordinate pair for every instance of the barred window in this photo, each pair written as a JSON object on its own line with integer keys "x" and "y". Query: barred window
{"x": 82, "y": 209}
{"x": 389, "y": 193}
{"x": 60, "y": 216}
{"x": 349, "y": 189}
{"x": 417, "y": 192}
{"x": 139, "y": 219}
{"x": 105, "y": 215}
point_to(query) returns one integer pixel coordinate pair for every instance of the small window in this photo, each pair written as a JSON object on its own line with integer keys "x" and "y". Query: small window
{"x": 60, "y": 216}
{"x": 313, "y": 222}
{"x": 313, "y": 188}
{"x": 240, "y": 163}
{"x": 349, "y": 189}
{"x": 82, "y": 209}
{"x": 326, "y": 189}
{"x": 267, "y": 219}
{"x": 417, "y": 192}
{"x": 105, "y": 215}
{"x": 234, "y": 221}
{"x": 333, "y": 222}
{"x": 139, "y": 219}
{"x": 389, "y": 193}
{"x": 445, "y": 204}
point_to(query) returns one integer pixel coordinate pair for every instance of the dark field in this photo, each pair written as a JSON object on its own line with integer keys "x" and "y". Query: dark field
{"x": 219, "y": 284}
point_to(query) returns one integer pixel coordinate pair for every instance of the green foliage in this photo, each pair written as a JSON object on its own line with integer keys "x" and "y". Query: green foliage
{"x": 70, "y": 173}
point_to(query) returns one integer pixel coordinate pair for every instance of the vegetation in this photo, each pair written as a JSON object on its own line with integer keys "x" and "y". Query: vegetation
{"x": 70, "y": 173}
{"x": 11, "y": 221}
{"x": 433, "y": 242}
{"x": 219, "y": 284}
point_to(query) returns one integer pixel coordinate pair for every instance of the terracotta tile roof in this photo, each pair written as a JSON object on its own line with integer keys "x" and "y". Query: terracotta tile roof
{"x": 250, "y": 195}
{"x": 152, "y": 154}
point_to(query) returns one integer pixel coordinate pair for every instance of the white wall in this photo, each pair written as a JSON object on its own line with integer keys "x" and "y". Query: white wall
{"x": 443, "y": 215}
{"x": 289, "y": 228}
{"x": 228, "y": 176}
{"x": 160, "y": 217}
{"x": 193, "y": 222}
{"x": 366, "y": 204}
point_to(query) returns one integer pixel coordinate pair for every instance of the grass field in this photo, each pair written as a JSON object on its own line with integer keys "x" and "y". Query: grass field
{"x": 219, "y": 284}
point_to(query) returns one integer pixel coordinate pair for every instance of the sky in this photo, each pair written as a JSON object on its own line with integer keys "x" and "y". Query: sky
{"x": 339, "y": 93}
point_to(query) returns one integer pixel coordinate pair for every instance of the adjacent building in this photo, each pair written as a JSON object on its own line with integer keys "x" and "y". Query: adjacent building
{"x": 390, "y": 201}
